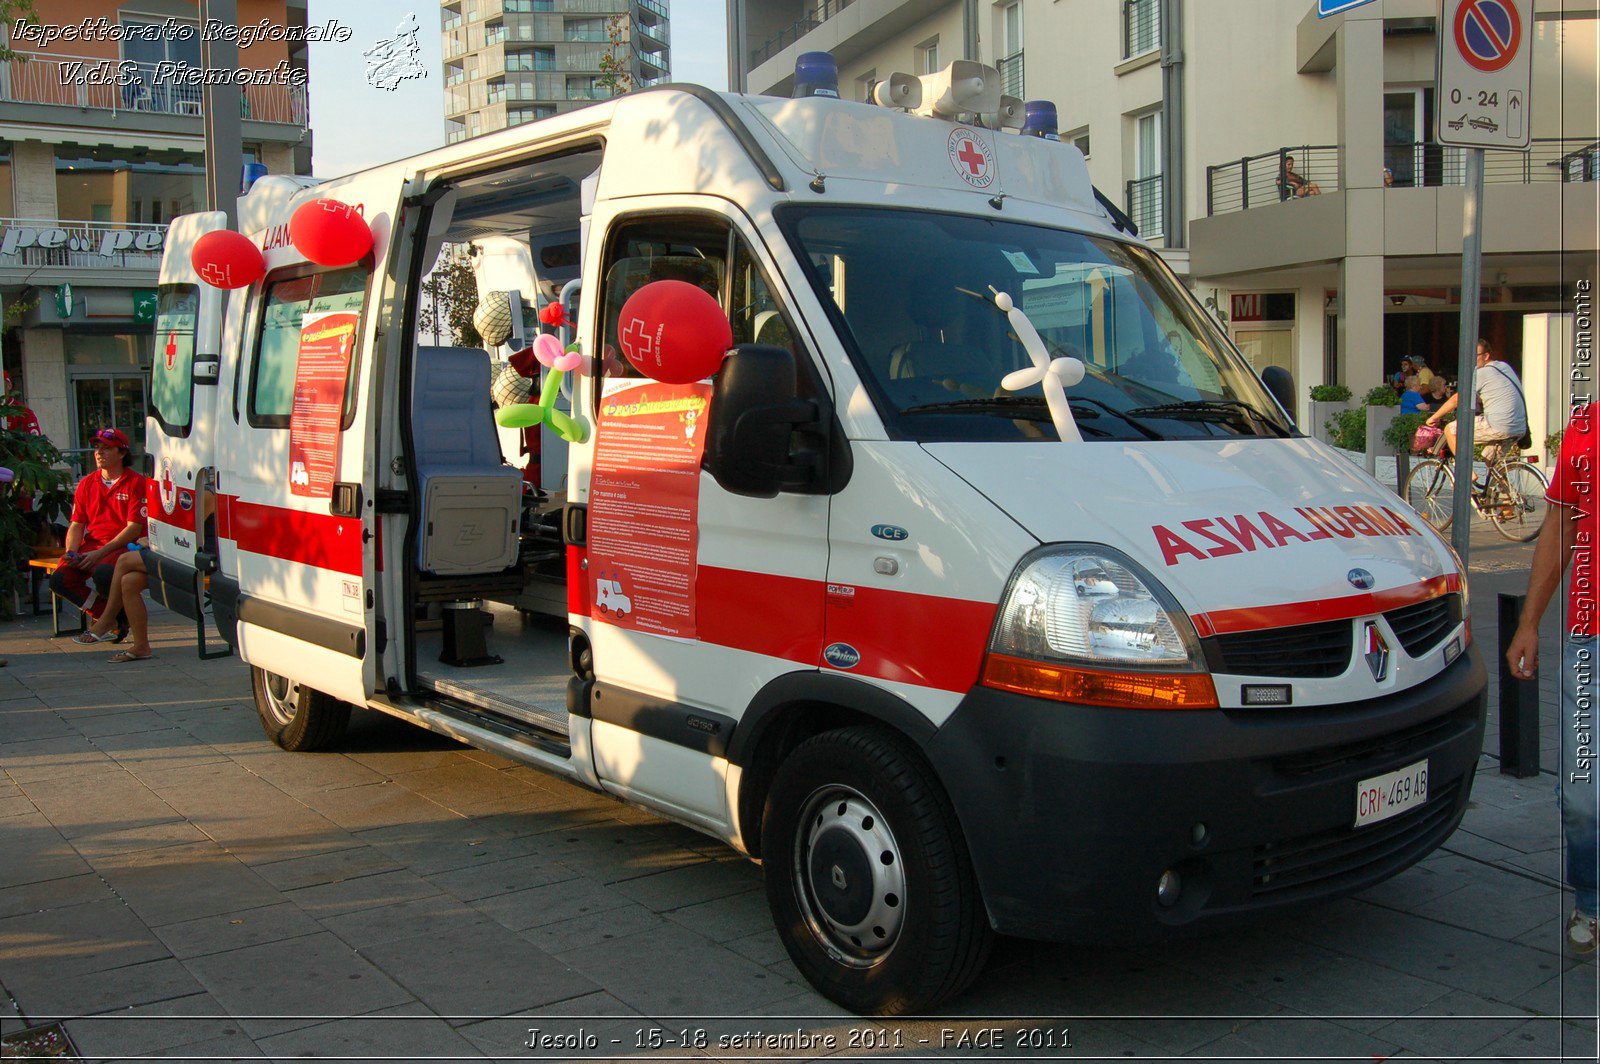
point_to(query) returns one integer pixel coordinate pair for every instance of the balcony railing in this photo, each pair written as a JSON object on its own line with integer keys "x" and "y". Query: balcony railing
{"x": 63, "y": 82}
{"x": 816, "y": 16}
{"x": 655, "y": 7}
{"x": 1258, "y": 180}
{"x": 1011, "y": 75}
{"x": 1144, "y": 204}
{"x": 1141, "y": 27}
{"x": 35, "y": 242}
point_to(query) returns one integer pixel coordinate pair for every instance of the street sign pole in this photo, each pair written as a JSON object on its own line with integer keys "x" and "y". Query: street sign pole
{"x": 1467, "y": 352}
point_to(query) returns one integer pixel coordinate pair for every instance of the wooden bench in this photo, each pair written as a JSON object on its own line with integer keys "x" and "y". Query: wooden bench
{"x": 41, "y": 566}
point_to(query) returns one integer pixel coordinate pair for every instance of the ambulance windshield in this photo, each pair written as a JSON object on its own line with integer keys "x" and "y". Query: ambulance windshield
{"x": 911, "y": 293}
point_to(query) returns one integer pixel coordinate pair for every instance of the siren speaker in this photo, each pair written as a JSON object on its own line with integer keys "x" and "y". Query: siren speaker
{"x": 900, "y": 90}
{"x": 1008, "y": 115}
{"x": 963, "y": 87}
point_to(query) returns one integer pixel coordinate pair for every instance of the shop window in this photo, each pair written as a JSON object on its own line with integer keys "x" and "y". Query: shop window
{"x": 288, "y": 300}
{"x": 7, "y": 203}
{"x": 111, "y": 185}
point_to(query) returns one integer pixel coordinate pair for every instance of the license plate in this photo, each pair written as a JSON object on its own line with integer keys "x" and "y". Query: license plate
{"x": 1381, "y": 797}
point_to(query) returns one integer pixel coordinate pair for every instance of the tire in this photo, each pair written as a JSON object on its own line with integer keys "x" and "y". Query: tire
{"x": 860, "y": 805}
{"x": 1519, "y": 506}
{"x": 296, "y": 717}
{"x": 1430, "y": 490}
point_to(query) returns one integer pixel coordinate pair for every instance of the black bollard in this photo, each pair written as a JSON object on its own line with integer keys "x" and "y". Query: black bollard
{"x": 1519, "y": 703}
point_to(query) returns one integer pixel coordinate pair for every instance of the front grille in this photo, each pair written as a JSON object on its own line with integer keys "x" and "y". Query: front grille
{"x": 1422, "y": 626}
{"x": 1310, "y": 651}
{"x": 1323, "y": 861}
{"x": 1405, "y": 743}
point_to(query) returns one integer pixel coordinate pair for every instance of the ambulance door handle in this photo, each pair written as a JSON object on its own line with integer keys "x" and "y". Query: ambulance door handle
{"x": 346, "y": 501}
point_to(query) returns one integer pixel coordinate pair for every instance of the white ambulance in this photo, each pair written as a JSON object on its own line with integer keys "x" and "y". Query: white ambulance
{"x": 952, "y": 642}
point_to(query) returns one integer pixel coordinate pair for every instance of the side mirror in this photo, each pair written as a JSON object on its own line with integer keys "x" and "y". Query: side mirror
{"x": 762, "y": 438}
{"x": 1280, "y": 382}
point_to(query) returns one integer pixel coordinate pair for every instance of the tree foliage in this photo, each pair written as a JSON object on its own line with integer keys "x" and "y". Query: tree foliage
{"x": 449, "y": 296}
{"x": 11, "y": 13}
{"x": 614, "y": 73}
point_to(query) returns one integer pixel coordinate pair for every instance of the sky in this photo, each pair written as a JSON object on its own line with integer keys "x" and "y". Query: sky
{"x": 355, "y": 125}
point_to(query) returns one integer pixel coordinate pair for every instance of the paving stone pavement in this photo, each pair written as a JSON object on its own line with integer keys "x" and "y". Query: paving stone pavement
{"x": 171, "y": 884}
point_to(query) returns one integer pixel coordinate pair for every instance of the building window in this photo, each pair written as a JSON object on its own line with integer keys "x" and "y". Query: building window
{"x": 111, "y": 185}
{"x": 1141, "y": 27}
{"x": 494, "y": 33}
{"x": 7, "y": 203}
{"x": 586, "y": 88}
{"x": 585, "y": 29}
{"x": 1079, "y": 138}
{"x": 1011, "y": 29}
{"x": 149, "y": 43}
{"x": 928, "y": 57}
{"x": 544, "y": 59}
{"x": 1144, "y": 191}
{"x": 865, "y": 84}
{"x": 519, "y": 115}
{"x": 522, "y": 61}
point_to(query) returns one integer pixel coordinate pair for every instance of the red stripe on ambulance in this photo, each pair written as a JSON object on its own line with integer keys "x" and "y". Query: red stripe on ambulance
{"x": 318, "y": 540}
{"x": 1288, "y": 614}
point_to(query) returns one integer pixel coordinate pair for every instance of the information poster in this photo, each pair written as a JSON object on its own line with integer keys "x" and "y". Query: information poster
{"x": 644, "y": 505}
{"x": 326, "y": 341}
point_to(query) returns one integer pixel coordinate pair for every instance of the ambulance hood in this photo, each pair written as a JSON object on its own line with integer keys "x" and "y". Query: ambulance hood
{"x": 1227, "y": 525}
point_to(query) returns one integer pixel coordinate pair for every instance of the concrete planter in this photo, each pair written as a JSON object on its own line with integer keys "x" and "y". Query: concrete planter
{"x": 1321, "y": 414}
{"x": 1379, "y": 418}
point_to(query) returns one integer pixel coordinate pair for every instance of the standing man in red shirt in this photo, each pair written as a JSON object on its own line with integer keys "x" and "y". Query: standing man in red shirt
{"x": 108, "y": 513}
{"x": 1569, "y": 535}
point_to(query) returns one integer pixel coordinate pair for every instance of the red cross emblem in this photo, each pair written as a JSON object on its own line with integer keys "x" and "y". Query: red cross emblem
{"x": 168, "y": 489}
{"x": 172, "y": 350}
{"x": 972, "y": 157}
{"x": 637, "y": 340}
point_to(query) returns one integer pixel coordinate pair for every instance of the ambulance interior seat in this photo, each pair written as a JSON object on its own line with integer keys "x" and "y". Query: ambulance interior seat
{"x": 471, "y": 500}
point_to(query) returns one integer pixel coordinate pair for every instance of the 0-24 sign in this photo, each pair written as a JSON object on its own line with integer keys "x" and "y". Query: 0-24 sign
{"x": 1485, "y": 69}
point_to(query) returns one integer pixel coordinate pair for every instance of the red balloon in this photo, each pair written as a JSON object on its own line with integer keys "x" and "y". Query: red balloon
{"x": 225, "y": 259}
{"x": 330, "y": 233}
{"x": 673, "y": 332}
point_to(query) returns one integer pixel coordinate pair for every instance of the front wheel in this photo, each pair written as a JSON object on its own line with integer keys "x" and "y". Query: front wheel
{"x": 868, "y": 877}
{"x": 1519, "y": 503}
{"x": 294, "y": 716}
{"x": 1431, "y": 491}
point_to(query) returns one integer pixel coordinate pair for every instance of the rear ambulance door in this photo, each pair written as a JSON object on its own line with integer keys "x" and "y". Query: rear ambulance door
{"x": 695, "y": 597}
{"x": 294, "y": 499}
{"x": 182, "y": 429}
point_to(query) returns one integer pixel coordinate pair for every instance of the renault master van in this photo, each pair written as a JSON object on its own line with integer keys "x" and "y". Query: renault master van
{"x": 953, "y": 642}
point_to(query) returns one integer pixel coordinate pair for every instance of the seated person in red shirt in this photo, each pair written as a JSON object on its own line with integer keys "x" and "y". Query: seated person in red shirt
{"x": 108, "y": 513}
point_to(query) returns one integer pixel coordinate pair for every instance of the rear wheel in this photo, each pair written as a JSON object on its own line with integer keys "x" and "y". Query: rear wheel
{"x": 1430, "y": 490}
{"x": 294, "y": 716}
{"x": 1519, "y": 505}
{"x": 868, "y": 876}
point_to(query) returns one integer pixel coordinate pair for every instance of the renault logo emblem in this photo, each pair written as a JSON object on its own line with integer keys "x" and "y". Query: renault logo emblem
{"x": 838, "y": 878}
{"x": 1376, "y": 652}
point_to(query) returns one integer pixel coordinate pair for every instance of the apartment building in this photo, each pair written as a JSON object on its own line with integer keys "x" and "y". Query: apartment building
{"x": 92, "y": 168}
{"x": 1189, "y": 113}
{"x": 512, "y": 61}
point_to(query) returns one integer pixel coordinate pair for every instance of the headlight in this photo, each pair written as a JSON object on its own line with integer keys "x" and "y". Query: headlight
{"x": 1082, "y": 623}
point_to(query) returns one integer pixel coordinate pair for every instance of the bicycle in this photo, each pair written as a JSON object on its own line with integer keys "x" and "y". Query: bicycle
{"x": 1512, "y": 498}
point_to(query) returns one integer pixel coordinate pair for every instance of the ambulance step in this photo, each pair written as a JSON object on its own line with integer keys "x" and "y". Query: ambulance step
{"x": 489, "y": 731}
{"x": 547, "y": 720}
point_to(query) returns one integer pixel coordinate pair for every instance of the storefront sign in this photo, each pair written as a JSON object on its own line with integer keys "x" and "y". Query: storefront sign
{"x": 144, "y": 305}
{"x": 83, "y": 239}
{"x": 64, "y": 300}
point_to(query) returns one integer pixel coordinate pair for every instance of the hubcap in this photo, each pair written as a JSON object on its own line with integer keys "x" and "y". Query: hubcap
{"x": 283, "y": 695}
{"x": 849, "y": 876}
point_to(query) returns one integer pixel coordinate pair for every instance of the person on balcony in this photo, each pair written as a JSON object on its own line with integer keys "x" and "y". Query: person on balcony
{"x": 1293, "y": 185}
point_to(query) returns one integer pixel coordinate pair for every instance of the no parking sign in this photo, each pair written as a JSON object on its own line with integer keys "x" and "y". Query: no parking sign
{"x": 1485, "y": 72}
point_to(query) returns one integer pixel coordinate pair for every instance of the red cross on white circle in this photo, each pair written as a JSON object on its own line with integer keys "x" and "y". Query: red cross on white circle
{"x": 972, "y": 157}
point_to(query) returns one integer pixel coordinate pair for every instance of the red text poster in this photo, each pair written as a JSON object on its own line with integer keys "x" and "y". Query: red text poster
{"x": 644, "y": 505}
{"x": 326, "y": 340}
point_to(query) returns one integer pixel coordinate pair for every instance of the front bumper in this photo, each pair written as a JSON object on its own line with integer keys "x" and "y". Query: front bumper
{"x": 1072, "y": 813}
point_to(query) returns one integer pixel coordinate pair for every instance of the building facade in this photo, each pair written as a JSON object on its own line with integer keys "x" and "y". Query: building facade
{"x": 98, "y": 152}
{"x": 512, "y": 61}
{"x": 1189, "y": 114}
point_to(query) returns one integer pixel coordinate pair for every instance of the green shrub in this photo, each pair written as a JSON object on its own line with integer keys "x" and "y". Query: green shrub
{"x": 1400, "y": 434}
{"x": 36, "y": 464}
{"x": 1552, "y": 444}
{"x": 1330, "y": 393}
{"x": 1350, "y": 429}
{"x": 1382, "y": 395}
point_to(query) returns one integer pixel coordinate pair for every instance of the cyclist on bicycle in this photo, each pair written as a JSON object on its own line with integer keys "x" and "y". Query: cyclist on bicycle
{"x": 1503, "y": 410}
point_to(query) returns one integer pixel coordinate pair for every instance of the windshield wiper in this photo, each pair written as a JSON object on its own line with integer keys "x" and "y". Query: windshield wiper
{"x": 1030, "y": 408}
{"x": 1216, "y": 410}
{"x": 1018, "y": 407}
